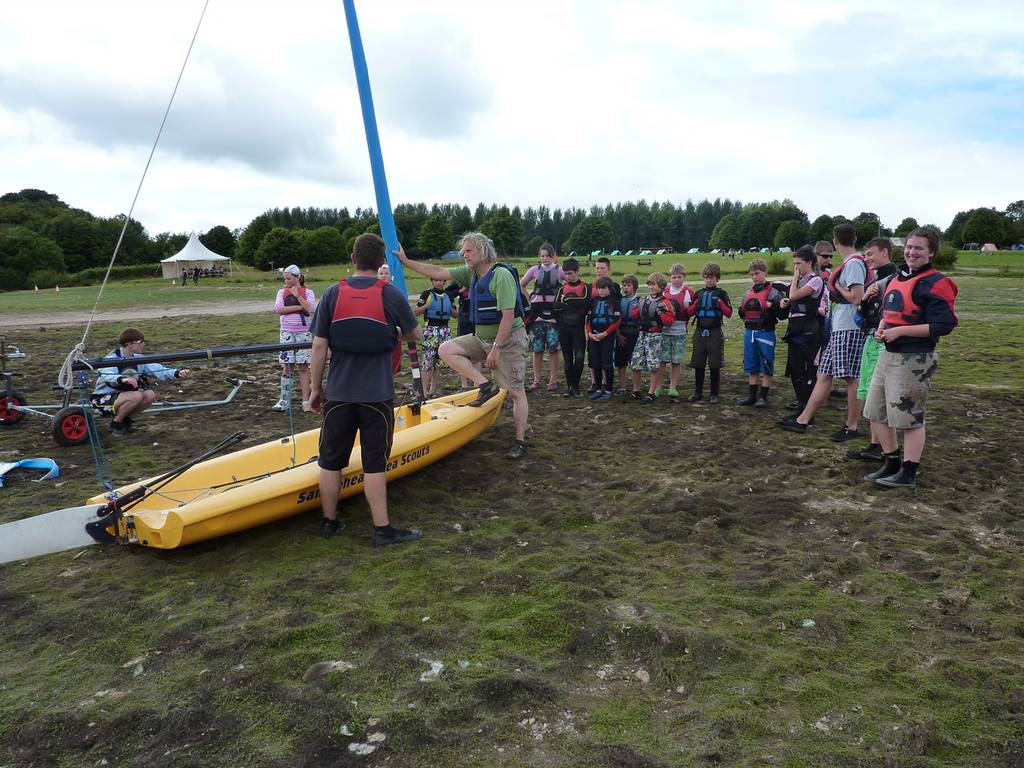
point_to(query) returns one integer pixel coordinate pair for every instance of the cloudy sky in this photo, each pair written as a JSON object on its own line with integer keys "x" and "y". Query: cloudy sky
{"x": 906, "y": 109}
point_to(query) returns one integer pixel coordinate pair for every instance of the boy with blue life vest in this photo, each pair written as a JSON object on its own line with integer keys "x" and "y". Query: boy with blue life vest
{"x": 361, "y": 319}
{"x": 603, "y": 321}
{"x": 654, "y": 314}
{"x": 918, "y": 308}
{"x": 603, "y": 268}
{"x": 673, "y": 337}
{"x": 546, "y": 276}
{"x": 125, "y": 386}
{"x": 629, "y": 329}
{"x": 760, "y": 309}
{"x": 572, "y": 301}
{"x": 499, "y": 338}
{"x": 435, "y": 305}
{"x": 709, "y": 307}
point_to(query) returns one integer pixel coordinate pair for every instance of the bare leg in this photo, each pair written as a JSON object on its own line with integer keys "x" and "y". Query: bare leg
{"x": 330, "y": 486}
{"x": 375, "y": 488}
{"x": 538, "y": 367}
{"x": 553, "y": 362}
{"x": 853, "y": 405}
{"x": 886, "y": 436}
{"x": 459, "y": 362}
{"x": 673, "y": 375}
{"x": 129, "y": 403}
{"x": 913, "y": 444}
{"x": 818, "y": 396}
{"x": 520, "y": 412}
{"x": 304, "y": 381}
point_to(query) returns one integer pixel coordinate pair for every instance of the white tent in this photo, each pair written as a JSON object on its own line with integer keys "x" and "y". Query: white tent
{"x": 194, "y": 254}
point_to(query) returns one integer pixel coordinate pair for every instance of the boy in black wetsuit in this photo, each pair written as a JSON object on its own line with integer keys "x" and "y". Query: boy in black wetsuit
{"x": 709, "y": 306}
{"x": 571, "y": 304}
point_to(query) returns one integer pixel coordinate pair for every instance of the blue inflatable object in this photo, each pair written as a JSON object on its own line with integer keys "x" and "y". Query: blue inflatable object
{"x": 49, "y": 466}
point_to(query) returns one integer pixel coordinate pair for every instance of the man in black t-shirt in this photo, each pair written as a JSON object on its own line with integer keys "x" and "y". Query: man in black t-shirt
{"x": 357, "y": 319}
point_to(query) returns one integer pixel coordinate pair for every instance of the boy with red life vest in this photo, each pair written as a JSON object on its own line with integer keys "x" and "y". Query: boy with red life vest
{"x": 803, "y": 332}
{"x": 878, "y": 255}
{"x": 436, "y": 307}
{"x": 673, "y": 337}
{"x": 709, "y": 307}
{"x": 918, "y": 307}
{"x": 360, "y": 320}
{"x": 603, "y": 321}
{"x": 846, "y": 340}
{"x": 760, "y": 309}
{"x": 546, "y": 276}
{"x": 499, "y": 337}
{"x": 572, "y": 301}
{"x": 654, "y": 314}
{"x": 629, "y": 329}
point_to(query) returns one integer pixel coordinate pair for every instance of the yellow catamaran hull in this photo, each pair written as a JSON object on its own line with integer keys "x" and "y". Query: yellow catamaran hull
{"x": 220, "y": 496}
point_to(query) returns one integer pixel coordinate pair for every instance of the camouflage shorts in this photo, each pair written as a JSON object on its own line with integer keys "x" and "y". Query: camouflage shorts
{"x": 899, "y": 388}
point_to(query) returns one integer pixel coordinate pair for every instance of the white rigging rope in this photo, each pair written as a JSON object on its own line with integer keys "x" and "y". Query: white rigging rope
{"x": 66, "y": 377}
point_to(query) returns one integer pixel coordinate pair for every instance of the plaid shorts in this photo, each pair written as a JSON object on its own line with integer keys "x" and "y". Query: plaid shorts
{"x": 647, "y": 353}
{"x": 433, "y": 337}
{"x": 842, "y": 355}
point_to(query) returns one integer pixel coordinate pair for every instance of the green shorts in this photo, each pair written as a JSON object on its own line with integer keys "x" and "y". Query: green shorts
{"x": 868, "y": 360}
{"x": 673, "y": 348}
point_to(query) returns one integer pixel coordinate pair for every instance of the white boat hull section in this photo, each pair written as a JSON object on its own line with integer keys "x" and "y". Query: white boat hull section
{"x": 47, "y": 533}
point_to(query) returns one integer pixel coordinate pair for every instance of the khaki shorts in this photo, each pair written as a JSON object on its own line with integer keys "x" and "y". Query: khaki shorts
{"x": 899, "y": 388}
{"x": 511, "y": 370}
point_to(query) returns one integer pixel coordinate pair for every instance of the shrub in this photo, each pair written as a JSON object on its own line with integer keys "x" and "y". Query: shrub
{"x": 46, "y": 278}
{"x": 778, "y": 266}
{"x": 946, "y": 257}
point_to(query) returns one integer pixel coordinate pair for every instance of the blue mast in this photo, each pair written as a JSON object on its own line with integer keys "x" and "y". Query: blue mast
{"x": 380, "y": 182}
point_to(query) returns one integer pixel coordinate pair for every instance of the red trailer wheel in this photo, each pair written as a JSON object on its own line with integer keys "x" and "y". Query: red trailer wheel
{"x": 71, "y": 426}
{"x": 8, "y": 416}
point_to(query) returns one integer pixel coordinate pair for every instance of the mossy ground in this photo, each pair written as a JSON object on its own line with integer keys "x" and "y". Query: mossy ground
{"x": 665, "y": 585}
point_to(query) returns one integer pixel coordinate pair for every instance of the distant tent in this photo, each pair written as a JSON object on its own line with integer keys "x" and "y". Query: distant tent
{"x": 717, "y": 250}
{"x": 661, "y": 251}
{"x": 572, "y": 253}
{"x": 615, "y": 253}
{"x": 628, "y": 253}
{"x": 598, "y": 252}
{"x": 785, "y": 249}
{"x": 766, "y": 250}
{"x": 989, "y": 247}
{"x": 451, "y": 256}
{"x": 645, "y": 252}
{"x": 194, "y": 254}
{"x": 694, "y": 250}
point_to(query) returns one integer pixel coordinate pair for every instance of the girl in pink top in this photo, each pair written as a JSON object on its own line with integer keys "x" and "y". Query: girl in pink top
{"x": 295, "y": 304}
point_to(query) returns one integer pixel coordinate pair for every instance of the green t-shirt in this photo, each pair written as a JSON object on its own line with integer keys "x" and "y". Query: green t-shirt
{"x": 505, "y": 289}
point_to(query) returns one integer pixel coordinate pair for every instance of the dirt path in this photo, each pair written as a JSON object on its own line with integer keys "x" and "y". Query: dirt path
{"x": 135, "y": 313}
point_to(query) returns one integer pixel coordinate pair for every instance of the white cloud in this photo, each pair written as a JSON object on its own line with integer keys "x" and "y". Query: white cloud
{"x": 907, "y": 109}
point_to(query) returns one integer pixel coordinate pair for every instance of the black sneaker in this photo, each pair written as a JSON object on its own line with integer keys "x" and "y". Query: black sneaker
{"x": 487, "y": 390}
{"x": 713, "y": 399}
{"x": 761, "y": 402}
{"x": 331, "y": 527}
{"x": 748, "y": 400}
{"x": 888, "y": 468}
{"x": 118, "y": 428}
{"x": 844, "y": 434}
{"x": 518, "y": 450}
{"x": 794, "y": 405}
{"x": 791, "y": 424}
{"x": 902, "y": 479}
{"x": 649, "y": 398}
{"x": 129, "y": 425}
{"x": 695, "y": 398}
{"x": 871, "y": 453}
{"x": 395, "y": 536}
{"x": 636, "y": 395}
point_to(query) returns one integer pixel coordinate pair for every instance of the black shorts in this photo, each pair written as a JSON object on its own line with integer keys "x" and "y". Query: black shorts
{"x": 375, "y": 423}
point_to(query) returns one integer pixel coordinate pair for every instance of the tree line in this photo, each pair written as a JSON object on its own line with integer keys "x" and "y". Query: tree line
{"x": 44, "y": 241}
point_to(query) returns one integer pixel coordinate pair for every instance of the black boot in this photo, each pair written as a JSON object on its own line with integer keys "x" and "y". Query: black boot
{"x": 751, "y": 397}
{"x": 905, "y": 478}
{"x": 890, "y": 467}
{"x": 762, "y": 399}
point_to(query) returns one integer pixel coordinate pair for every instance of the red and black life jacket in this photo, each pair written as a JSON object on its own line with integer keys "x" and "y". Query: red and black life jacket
{"x": 572, "y": 303}
{"x": 899, "y": 307}
{"x": 756, "y": 308}
{"x": 359, "y": 325}
{"x": 869, "y": 277}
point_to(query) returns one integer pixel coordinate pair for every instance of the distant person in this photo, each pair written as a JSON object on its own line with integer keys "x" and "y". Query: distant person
{"x": 499, "y": 334}
{"x": 384, "y": 273}
{"x": 435, "y": 305}
{"x": 760, "y": 309}
{"x": 546, "y": 276}
{"x": 654, "y": 314}
{"x": 359, "y": 396}
{"x": 295, "y": 305}
{"x": 195, "y": 276}
{"x": 823, "y": 250}
{"x": 125, "y": 387}
{"x": 571, "y": 305}
{"x": 803, "y": 332}
{"x": 629, "y": 329}
{"x": 184, "y": 277}
{"x": 846, "y": 340}
{"x": 673, "y": 337}
{"x": 918, "y": 308}
{"x": 603, "y": 319}
{"x": 709, "y": 308}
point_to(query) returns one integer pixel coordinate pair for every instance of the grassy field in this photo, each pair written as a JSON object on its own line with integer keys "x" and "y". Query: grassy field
{"x": 666, "y": 585}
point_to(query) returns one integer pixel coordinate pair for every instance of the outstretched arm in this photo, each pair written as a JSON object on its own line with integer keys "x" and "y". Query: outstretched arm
{"x": 432, "y": 271}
